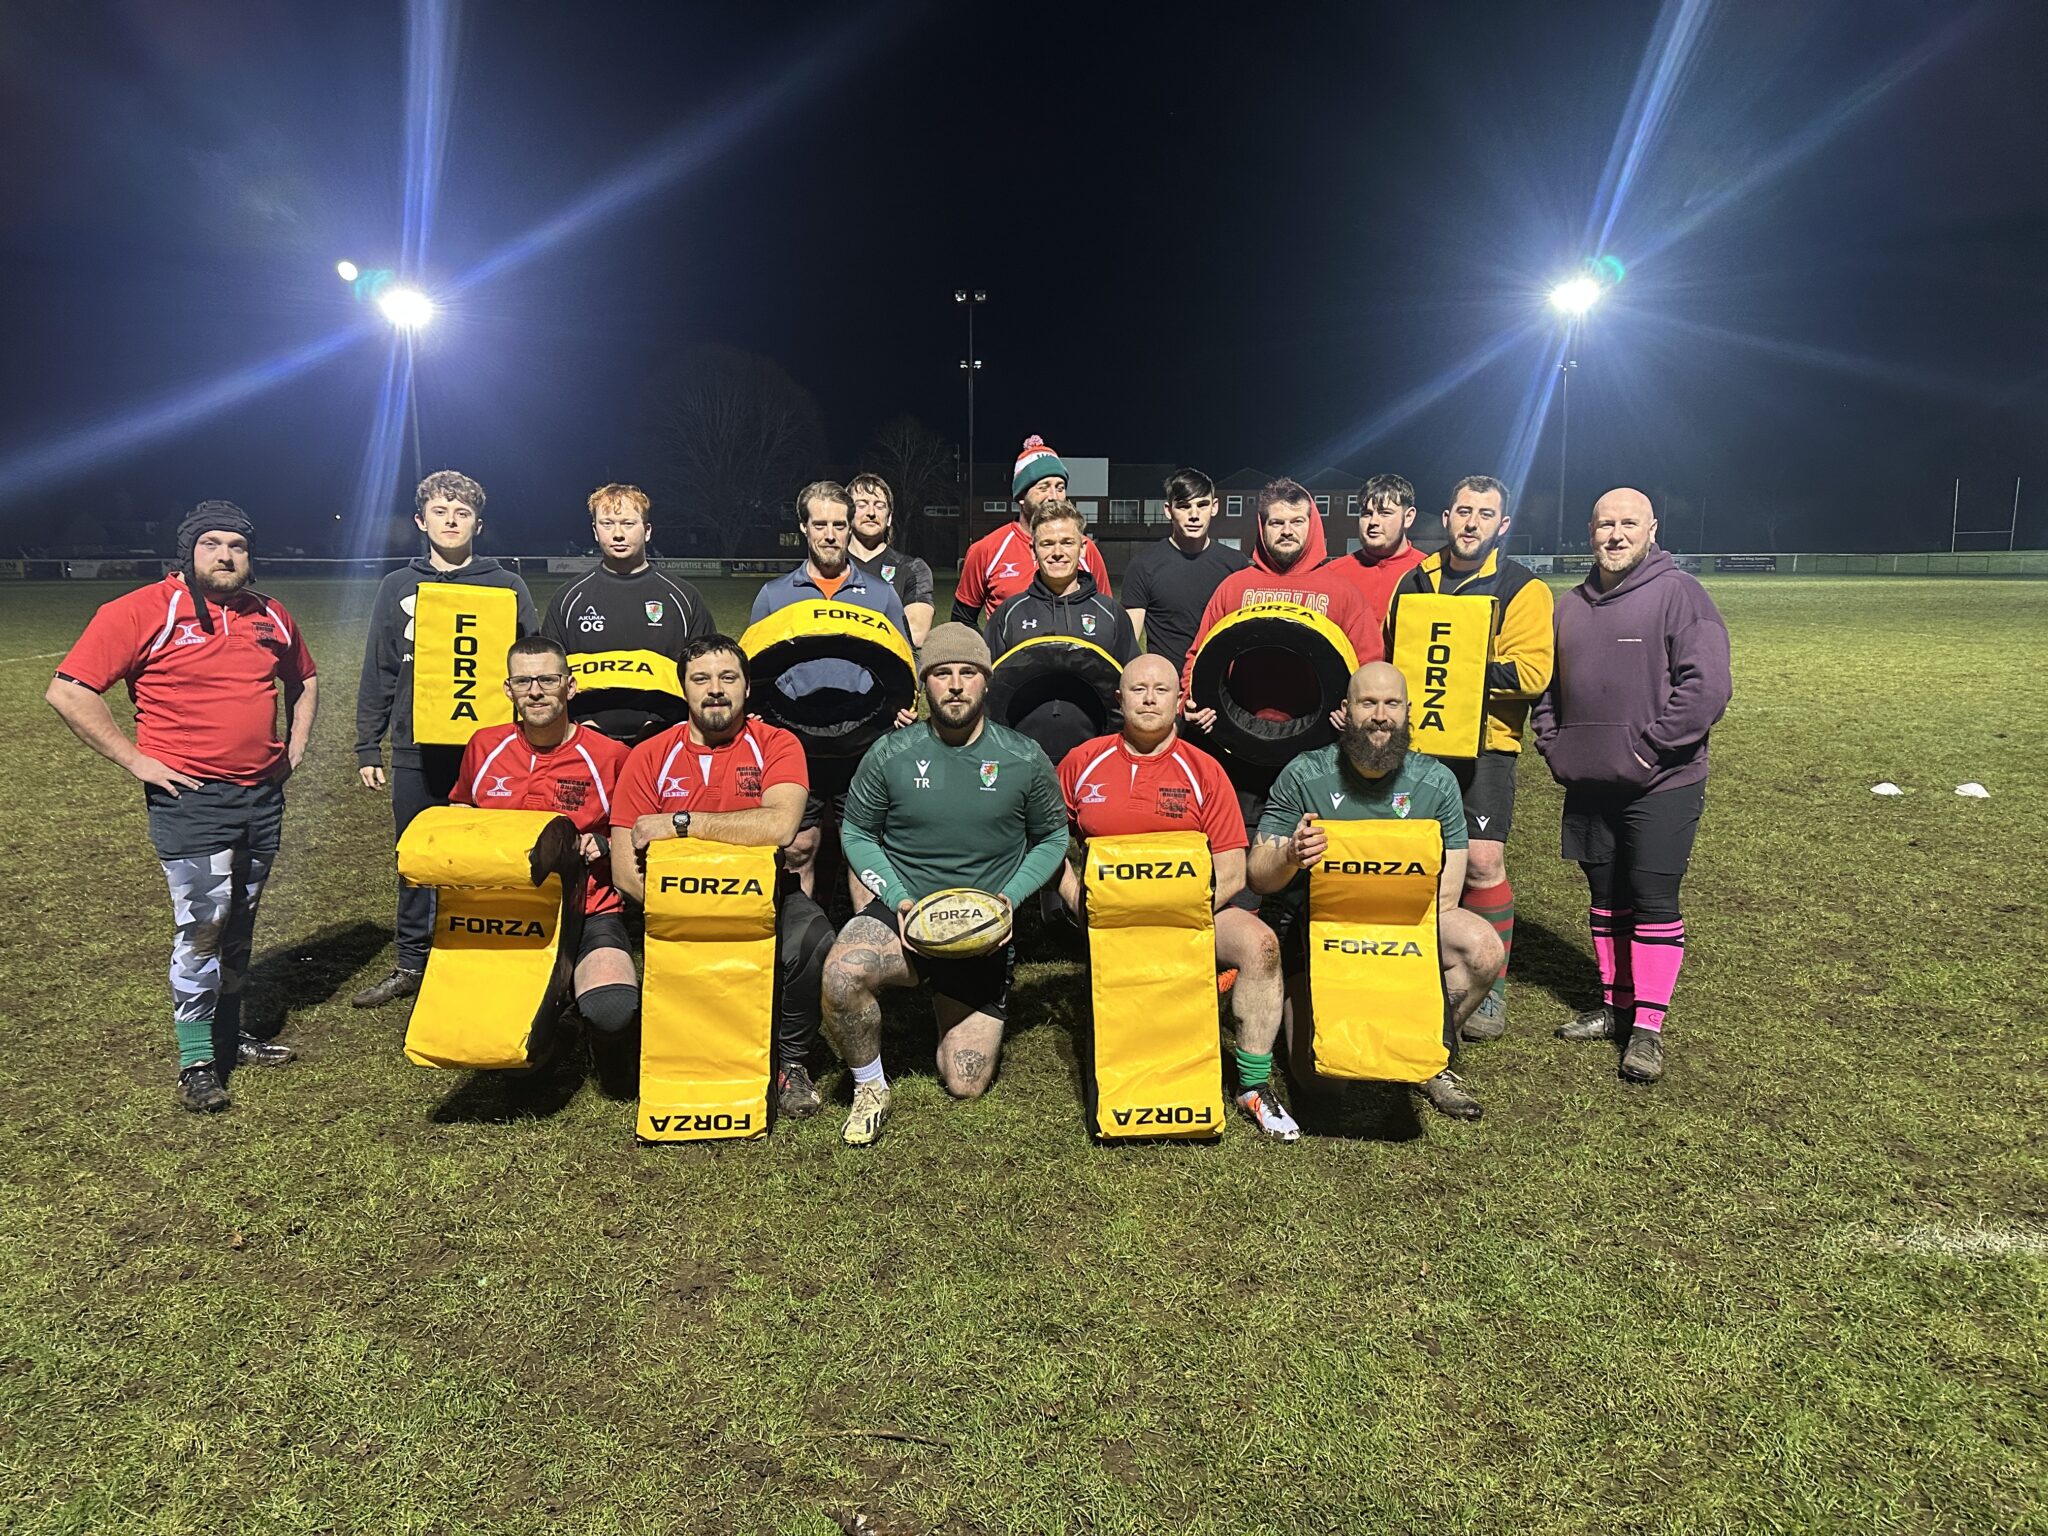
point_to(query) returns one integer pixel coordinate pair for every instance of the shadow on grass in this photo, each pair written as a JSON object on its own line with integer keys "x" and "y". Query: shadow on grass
{"x": 291, "y": 979}
{"x": 537, "y": 1093}
{"x": 1559, "y": 964}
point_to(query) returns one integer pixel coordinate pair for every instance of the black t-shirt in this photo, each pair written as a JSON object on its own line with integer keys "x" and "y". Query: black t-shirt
{"x": 1173, "y": 588}
{"x": 614, "y": 629}
{"x": 910, "y": 576}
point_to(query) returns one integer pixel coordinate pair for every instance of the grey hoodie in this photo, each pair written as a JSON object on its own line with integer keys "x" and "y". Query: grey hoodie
{"x": 384, "y": 697}
{"x": 1642, "y": 675}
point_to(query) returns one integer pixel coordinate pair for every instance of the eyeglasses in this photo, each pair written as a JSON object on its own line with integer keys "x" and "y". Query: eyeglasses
{"x": 538, "y": 680}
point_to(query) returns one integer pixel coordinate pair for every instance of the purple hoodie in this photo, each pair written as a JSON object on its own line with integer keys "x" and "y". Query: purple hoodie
{"x": 1641, "y": 671}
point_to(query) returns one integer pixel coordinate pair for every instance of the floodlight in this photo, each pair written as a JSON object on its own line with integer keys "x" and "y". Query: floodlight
{"x": 346, "y": 271}
{"x": 1575, "y": 296}
{"x": 406, "y": 308}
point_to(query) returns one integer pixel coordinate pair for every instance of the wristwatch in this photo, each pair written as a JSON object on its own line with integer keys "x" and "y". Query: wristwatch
{"x": 681, "y": 822}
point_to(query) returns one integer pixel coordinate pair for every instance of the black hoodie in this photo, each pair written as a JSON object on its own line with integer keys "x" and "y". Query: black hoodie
{"x": 384, "y": 697}
{"x": 1079, "y": 613}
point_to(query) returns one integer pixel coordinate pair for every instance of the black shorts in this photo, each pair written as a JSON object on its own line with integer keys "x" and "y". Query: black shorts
{"x": 1488, "y": 783}
{"x": 980, "y": 985}
{"x": 1653, "y": 833}
{"x": 822, "y": 810}
{"x": 603, "y": 930}
{"x": 214, "y": 817}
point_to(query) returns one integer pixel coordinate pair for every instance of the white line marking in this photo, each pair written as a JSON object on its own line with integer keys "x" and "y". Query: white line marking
{"x": 39, "y": 656}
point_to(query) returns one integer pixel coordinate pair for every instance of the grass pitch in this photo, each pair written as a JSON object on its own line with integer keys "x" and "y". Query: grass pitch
{"x": 1798, "y": 1286}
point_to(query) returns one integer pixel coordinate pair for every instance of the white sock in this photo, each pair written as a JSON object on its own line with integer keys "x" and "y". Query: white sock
{"x": 871, "y": 1073}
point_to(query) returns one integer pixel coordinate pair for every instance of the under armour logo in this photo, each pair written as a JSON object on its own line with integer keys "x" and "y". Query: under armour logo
{"x": 501, "y": 785}
{"x": 674, "y": 789}
{"x": 1029, "y": 624}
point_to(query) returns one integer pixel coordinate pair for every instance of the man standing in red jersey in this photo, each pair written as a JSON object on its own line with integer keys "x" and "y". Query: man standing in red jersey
{"x": 1149, "y": 780}
{"x": 544, "y": 761}
{"x": 999, "y": 565}
{"x": 204, "y": 657}
{"x": 721, "y": 777}
{"x": 1386, "y": 511}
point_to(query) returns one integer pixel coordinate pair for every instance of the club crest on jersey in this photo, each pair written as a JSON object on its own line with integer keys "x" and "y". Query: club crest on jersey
{"x": 654, "y": 610}
{"x": 888, "y": 573}
{"x": 1087, "y": 623}
{"x": 1400, "y": 803}
{"x": 988, "y": 775}
{"x": 188, "y": 633}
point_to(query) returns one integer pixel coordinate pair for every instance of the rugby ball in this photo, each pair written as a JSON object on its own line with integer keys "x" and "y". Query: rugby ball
{"x": 956, "y": 924}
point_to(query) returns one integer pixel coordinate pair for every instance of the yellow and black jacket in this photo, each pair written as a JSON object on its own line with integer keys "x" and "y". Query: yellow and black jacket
{"x": 1523, "y": 646}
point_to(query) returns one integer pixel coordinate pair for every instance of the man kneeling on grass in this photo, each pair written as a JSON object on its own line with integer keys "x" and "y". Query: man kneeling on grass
{"x": 544, "y": 761}
{"x": 956, "y": 800}
{"x": 1370, "y": 775}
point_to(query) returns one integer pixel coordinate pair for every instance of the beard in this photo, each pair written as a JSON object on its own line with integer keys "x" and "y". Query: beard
{"x": 223, "y": 583}
{"x": 1375, "y": 762}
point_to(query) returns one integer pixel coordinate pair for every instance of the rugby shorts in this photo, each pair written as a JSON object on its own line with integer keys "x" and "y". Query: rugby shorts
{"x": 980, "y": 984}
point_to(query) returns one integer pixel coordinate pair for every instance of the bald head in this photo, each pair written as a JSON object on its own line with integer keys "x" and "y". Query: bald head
{"x": 1377, "y": 680}
{"x": 1621, "y": 532}
{"x": 1149, "y": 695}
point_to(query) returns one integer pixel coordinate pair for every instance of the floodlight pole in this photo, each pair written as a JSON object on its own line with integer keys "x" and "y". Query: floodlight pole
{"x": 970, "y": 298}
{"x": 1564, "y": 431}
{"x": 1955, "y": 513}
{"x": 2012, "y": 532}
{"x": 412, "y": 401}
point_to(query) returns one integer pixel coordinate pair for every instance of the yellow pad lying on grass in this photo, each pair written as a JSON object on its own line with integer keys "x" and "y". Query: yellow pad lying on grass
{"x": 1442, "y": 645}
{"x": 1152, "y": 972}
{"x": 707, "y": 1006}
{"x": 508, "y": 910}
{"x": 1375, "y": 977}
{"x": 460, "y": 635}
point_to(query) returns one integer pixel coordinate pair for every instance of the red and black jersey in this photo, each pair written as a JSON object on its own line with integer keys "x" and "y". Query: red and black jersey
{"x": 672, "y": 772}
{"x": 503, "y": 771}
{"x": 1112, "y": 791}
{"x": 205, "y": 699}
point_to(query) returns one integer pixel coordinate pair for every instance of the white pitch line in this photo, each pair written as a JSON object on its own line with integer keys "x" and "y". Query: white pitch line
{"x": 39, "y": 656}
{"x": 1981, "y": 1242}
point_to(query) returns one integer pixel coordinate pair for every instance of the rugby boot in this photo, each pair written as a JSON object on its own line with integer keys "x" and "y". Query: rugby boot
{"x": 795, "y": 1094}
{"x": 870, "y": 1113}
{"x": 1643, "y": 1061}
{"x": 400, "y": 983}
{"x": 1263, "y": 1105}
{"x": 1448, "y": 1095}
{"x": 1489, "y": 1020}
{"x": 251, "y": 1052}
{"x": 1594, "y": 1024}
{"x": 199, "y": 1089}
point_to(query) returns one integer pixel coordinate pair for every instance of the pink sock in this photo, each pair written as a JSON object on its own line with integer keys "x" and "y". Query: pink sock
{"x": 1611, "y": 929}
{"x": 1656, "y": 951}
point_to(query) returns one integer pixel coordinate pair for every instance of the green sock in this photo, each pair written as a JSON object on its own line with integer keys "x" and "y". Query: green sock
{"x": 1254, "y": 1068}
{"x": 195, "y": 1042}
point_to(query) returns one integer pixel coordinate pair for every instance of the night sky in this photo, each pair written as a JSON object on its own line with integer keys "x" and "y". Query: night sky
{"x": 1315, "y": 234}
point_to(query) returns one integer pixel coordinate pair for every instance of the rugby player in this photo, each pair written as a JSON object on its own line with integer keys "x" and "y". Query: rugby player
{"x": 450, "y": 513}
{"x": 1386, "y": 511}
{"x": 613, "y": 620}
{"x": 542, "y": 760}
{"x": 1473, "y": 565}
{"x": 1642, "y": 675}
{"x": 874, "y": 515}
{"x": 1148, "y": 780}
{"x": 1062, "y": 600}
{"x": 1170, "y": 582}
{"x": 1370, "y": 775}
{"x": 998, "y": 565}
{"x": 721, "y": 777}
{"x": 956, "y": 800}
{"x": 204, "y": 656}
{"x": 825, "y": 518}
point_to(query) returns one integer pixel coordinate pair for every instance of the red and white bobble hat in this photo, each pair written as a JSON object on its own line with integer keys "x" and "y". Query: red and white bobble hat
{"x": 1037, "y": 462}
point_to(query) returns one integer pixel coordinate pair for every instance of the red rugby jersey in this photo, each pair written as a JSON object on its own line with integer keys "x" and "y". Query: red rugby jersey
{"x": 205, "y": 701}
{"x": 670, "y": 772}
{"x": 502, "y": 771}
{"x": 1111, "y": 790}
{"x": 1000, "y": 564}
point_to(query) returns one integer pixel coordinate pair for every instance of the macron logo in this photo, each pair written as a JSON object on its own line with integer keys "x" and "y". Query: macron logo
{"x": 1335, "y": 800}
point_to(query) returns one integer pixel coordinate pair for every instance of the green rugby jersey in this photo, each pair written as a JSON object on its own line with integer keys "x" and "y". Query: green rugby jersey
{"x": 922, "y": 816}
{"x": 1325, "y": 785}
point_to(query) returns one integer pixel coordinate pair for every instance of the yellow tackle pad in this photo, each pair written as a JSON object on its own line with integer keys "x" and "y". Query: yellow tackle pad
{"x": 707, "y": 1003}
{"x": 636, "y": 671}
{"x": 460, "y": 635}
{"x": 1441, "y": 646}
{"x": 507, "y": 914}
{"x": 1376, "y": 980}
{"x": 1152, "y": 976}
